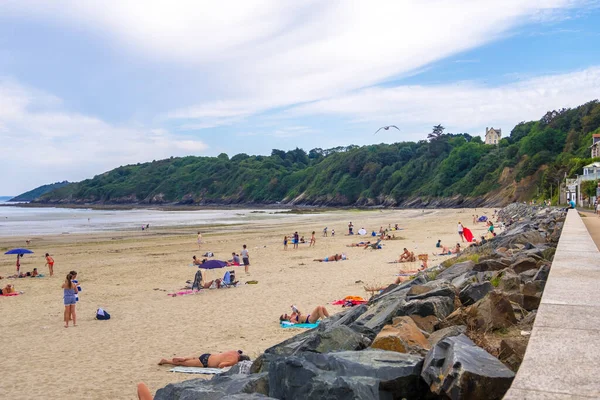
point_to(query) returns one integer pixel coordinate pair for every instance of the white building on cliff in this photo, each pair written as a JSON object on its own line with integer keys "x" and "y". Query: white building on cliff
{"x": 492, "y": 136}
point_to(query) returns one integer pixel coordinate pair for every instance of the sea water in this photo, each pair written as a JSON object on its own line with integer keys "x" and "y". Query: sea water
{"x": 31, "y": 221}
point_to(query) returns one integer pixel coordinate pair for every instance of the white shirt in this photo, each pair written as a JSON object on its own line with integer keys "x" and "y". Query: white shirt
{"x": 245, "y": 253}
{"x": 460, "y": 227}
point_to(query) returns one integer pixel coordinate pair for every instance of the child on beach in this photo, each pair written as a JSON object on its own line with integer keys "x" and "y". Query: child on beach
{"x": 50, "y": 263}
{"x": 76, "y": 282}
{"x": 69, "y": 292}
{"x": 246, "y": 259}
{"x": 313, "y": 240}
{"x": 285, "y": 242}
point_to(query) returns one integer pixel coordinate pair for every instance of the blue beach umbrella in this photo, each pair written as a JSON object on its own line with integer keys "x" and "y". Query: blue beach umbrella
{"x": 19, "y": 251}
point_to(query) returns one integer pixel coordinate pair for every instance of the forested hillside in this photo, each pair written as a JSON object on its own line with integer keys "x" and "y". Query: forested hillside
{"x": 39, "y": 191}
{"x": 446, "y": 169}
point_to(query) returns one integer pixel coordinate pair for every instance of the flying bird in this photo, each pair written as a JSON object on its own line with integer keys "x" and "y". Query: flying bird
{"x": 387, "y": 128}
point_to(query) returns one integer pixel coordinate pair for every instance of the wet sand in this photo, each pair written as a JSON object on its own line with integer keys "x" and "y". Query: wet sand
{"x": 130, "y": 273}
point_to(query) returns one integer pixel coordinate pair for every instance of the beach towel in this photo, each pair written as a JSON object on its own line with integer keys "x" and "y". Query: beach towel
{"x": 468, "y": 234}
{"x": 286, "y": 324}
{"x": 199, "y": 370}
{"x": 483, "y": 218}
{"x": 11, "y": 294}
{"x": 349, "y": 301}
{"x": 183, "y": 293}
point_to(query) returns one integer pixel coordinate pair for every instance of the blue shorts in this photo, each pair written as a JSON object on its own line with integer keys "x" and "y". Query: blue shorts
{"x": 70, "y": 300}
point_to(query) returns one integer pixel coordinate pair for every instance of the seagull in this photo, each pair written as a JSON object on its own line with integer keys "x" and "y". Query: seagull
{"x": 386, "y": 128}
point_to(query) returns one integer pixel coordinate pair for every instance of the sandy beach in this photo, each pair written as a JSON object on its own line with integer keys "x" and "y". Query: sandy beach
{"x": 130, "y": 274}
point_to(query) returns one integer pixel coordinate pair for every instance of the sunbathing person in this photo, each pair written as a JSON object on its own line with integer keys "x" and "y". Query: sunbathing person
{"x": 8, "y": 289}
{"x": 359, "y": 244}
{"x": 196, "y": 261}
{"x": 335, "y": 257}
{"x": 297, "y": 317}
{"x": 207, "y": 360}
{"x": 407, "y": 256}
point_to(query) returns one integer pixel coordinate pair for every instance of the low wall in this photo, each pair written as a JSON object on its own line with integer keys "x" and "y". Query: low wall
{"x": 562, "y": 360}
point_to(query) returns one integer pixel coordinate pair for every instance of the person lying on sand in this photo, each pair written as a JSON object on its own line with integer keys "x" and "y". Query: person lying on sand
{"x": 297, "y": 317}
{"x": 8, "y": 289}
{"x": 446, "y": 251}
{"x": 207, "y": 360}
{"x": 196, "y": 261}
{"x": 336, "y": 257}
{"x": 359, "y": 244}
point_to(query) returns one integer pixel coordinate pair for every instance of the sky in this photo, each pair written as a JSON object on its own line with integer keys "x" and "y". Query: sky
{"x": 87, "y": 86}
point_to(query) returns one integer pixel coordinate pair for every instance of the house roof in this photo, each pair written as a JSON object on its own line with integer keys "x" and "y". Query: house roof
{"x": 593, "y": 165}
{"x": 596, "y": 135}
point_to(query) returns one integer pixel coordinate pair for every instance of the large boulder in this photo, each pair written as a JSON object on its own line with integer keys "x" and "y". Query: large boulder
{"x": 491, "y": 265}
{"x": 509, "y": 281}
{"x": 472, "y": 293}
{"x": 219, "y": 387}
{"x": 425, "y": 324}
{"x": 378, "y": 315}
{"x": 458, "y": 369}
{"x": 369, "y": 374}
{"x": 492, "y": 312}
{"x": 542, "y": 273}
{"x": 441, "y": 291}
{"x": 440, "y": 307}
{"x": 402, "y": 336}
{"x": 442, "y": 334}
{"x": 455, "y": 270}
{"x": 524, "y": 264}
{"x": 512, "y": 351}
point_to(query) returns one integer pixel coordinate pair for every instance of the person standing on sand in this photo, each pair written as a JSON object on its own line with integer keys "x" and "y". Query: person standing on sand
{"x": 69, "y": 292}
{"x": 285, "y": 241}
{"x": 246, "y": 259}
{"x": 199, "y": 239}
{"x": 332, "y": 232}
{"x": 313, "y": 240}
{"x": 296, "y": 240}
{"x": 350, "y": 228}
{"x": 18, "y": 263}
{"x": 460, "y": 231}
{"x": 325, "y": 232}
{"x": 50, "y": 263}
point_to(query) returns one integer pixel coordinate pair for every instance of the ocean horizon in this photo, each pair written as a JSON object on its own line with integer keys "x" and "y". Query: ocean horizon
{"x": 35, "y": 221}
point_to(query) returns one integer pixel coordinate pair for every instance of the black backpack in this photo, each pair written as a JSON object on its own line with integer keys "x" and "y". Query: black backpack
{"x": 102, "y": 315}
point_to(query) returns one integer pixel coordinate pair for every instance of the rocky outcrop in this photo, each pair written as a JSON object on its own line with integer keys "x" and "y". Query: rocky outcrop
{"x": 459, "y": 369}
{"x": 472, "y": 293}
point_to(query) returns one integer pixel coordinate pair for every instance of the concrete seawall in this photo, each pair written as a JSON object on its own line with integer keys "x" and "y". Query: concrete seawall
{"x": 562, "y": 360}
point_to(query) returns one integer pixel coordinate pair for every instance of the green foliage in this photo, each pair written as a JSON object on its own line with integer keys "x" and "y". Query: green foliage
{"x": 443, "y": 166}
{"x": 39, "y": 191}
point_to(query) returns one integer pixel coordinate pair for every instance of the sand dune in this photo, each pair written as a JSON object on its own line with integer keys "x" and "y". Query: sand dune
{"x": 121, "y": 271}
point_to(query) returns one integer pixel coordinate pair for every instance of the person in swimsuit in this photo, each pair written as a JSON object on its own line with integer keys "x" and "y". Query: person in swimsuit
{"x": 313, "y": 240}
{"x": 50, "y": 263}
{"x": 196, "y": 261}
{"x": 297, "y": 317}
{"x": 207, "y": 360}
{"x": 335, "y": 257}
{"x": 69, "y": 291}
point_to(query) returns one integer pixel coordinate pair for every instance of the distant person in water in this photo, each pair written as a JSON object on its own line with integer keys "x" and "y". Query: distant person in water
{"x": 207, "y": 360}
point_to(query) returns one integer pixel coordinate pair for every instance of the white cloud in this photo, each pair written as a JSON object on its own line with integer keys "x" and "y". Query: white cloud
{"x": 267, "y": 54}
{"x": 41, "y": 142}
{"x": 461, "y": 107}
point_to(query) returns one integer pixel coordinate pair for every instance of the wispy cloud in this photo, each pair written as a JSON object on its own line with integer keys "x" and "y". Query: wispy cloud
{"x": 42, "y": 140}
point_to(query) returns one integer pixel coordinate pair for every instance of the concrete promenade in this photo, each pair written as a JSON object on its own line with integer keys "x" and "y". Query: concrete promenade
{"x": 562, "y": 360}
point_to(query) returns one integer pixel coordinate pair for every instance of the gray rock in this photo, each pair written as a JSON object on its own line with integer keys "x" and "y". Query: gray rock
{"x": 458, "y": 369}
{"x": 369, "y": 374}
{"x": 442, "y": 334}
{"x": 527, "y": 276}
{"x": 378, "y": 315}
{"x": 471, "y": 294}
{"x": 440, "y": 307}
{"x": 490, "y": 265}
{"x": 443, "y": 291}
{"x": 542, "y": 273}
{"x": 509, "y": 281}
{"x": 524, "y": 264}
{"x": 219, "y": 387}
{"x": 455, "y": 270}
{"x": 463, "y": 280}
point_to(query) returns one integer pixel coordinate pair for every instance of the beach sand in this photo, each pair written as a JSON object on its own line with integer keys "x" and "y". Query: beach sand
{"x": 130, "y": 273}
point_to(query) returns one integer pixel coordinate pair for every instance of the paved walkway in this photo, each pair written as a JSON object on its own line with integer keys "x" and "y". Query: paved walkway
{"x": 592, "y": 223}
{"x": 562, "y": 360}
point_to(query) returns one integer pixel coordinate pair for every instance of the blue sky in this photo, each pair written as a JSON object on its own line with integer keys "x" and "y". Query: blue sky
{"x": 86, "y": 86}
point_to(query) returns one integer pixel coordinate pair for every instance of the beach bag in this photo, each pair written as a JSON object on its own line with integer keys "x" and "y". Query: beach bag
{"x": 209, "y": 254}
{"x": 197, "y": 285}
{"x": 102, "y": 315}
